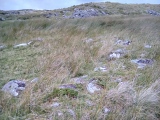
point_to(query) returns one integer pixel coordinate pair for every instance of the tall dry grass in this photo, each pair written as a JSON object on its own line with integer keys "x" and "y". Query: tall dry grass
{"x": 65, "y": 53}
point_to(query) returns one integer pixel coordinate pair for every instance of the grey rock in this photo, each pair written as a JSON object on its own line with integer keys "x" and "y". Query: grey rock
{"x": 68, "y": 86}
{"x": 147, "y": 46}
{"x": 92, "y": 86}
{"x": 2, "y": 19}
{"x": 152, "y": 12}
{"x": 78, "y": 13}
{"x": 122, "y": 42}
{"x": 106, "y": 110}
{"x": 56, "y": 104}
{"x": 14, "y": 87}
{"x": 79, "y": 80}
{"x": 100, "y": 69}
{"x": 2, "y": 47}
{"x": 142, "y": 62}
{"x": 116, "y": 54}
{"x": 23, "y": 44}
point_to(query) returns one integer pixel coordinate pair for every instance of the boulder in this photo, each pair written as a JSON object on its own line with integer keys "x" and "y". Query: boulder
{"x": 14, "y": 87}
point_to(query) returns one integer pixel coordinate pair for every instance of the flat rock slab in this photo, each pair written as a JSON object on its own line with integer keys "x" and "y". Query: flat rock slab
{"x": 142, "y": 62}
{"x": 14, "y": 87}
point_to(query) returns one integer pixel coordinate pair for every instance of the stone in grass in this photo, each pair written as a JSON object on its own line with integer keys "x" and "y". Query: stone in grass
{"x": 79, "y": 80}
{"x": 93, "y": 87}
{"x": 23, "y": 44}
{"x": 116, "y": 54}
{"x": 147, "y": 46}
{"x": 106, "y": 110}
{"x": 121, "y": 42}
{"x": 14, "y": 87}
{"x": 68, "y": 86}
{"x": 2, "y": 47}
{"x": 100, "y": 69}
{"x": 56, "y": 104}
{"x": 142, "y": 62}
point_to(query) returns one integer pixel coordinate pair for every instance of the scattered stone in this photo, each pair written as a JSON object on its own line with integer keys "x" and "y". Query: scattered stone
{"x": 2, "y": 19}
{"x": 152, "y": 12}
{"x": 79, "y": 13}
{"x": 101, "y": 69}
{"x": 142, "y": 62}
{"x": 23, "y": 44}
{"x": 14, "y": 87}
{"x": 2, "y": 47}
{"x": 89, "y": 40}
{"x": 118, "y": 80}
{"x": 93, "y": 87}
{"x": 106, "y": 110}
{"x": 68, "y": 86}
{"x": 116, "y": 54}
{"x": 147, "y": 46}
{"x": 56, "y": 104}
{"x": 59, "y": 113}
{"x": 127, "y": 42}
{"x": 121, "y": 42}
{"x": 79, "y": 80}
{"x": 49, "y": 15}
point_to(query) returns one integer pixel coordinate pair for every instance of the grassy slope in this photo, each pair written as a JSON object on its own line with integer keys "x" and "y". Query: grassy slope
{"x": 64, "y": 54}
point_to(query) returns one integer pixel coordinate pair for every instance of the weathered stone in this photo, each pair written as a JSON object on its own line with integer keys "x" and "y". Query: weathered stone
{"x": 68, "y": 86}
{"x": 122, "y": 42}
{"x": 93, "y": 87}
{"x": 142, "y": 62}
{"x": 116, "y": 54}
{"x": 147, "y": 46}
{"x": 152, "y": 12}
{"x": 14, "y": 87}
{"x": 100, "y": 69}
{"x": 56, "y": 104}
{"x": 78, "y": 13}
{"x": 23, "y": 44}
{"x": 79, "y": 80}
{"x": 2, "y": 19}
{"x": 2, "y": 47}
{"x": 106, "y": 110}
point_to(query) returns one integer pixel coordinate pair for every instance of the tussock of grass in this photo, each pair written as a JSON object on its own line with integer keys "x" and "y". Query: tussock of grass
{"x": 129, "y": 103}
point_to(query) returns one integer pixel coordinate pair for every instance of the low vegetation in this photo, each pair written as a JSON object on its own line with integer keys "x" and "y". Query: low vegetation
{"x": 68, "y": 48}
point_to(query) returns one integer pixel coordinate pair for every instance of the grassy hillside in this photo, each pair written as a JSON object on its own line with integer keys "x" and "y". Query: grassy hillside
{"x": 68, "y": 48}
